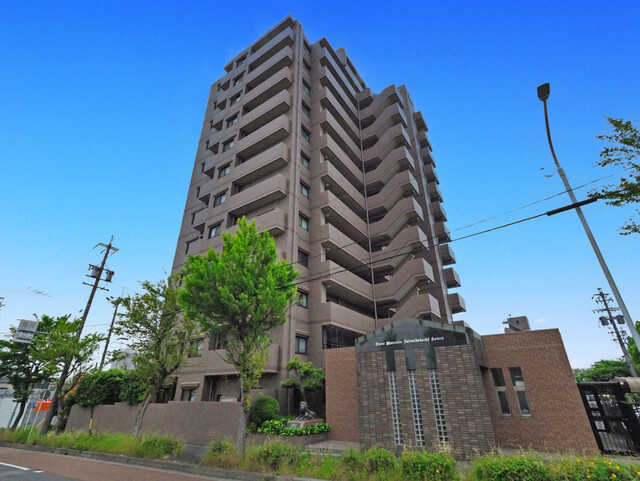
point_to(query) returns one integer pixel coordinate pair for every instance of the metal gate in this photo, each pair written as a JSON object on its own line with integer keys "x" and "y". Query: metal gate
{"x": 613, "y": 414}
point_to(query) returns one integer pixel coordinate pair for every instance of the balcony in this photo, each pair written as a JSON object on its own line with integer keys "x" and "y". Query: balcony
{"x": 341, "y": 248}
{"x": 421, "y": 306}
{"x": 258, "y": 195}
{"x": 451, "y": 278}
{"x": 392, "y": 115}
{"x": 398, "y": 160}
{"x": 434, "y": 192}
{"x": 446, "y": 254}
{"x": 332, "y": 313}
{"x": 274, "y": 221}
{"x": 331, "y": 150}
{"x": 267, "y": 112}
{"x": 346, "y": 285}
{"x": 411, "y": 274}
{"x": 329, "y": 81}
{"x": 281, "y": 80}
{"x": 339, "y": 215}
{"x": 263, "y": 138}
{"x": 427, "y": 157}
{"x": 443, "y": 233}
{"x": 263, "y": 164}
{"x": 217, "y": 367}
{"x": 457, "y": 304}
{"x": 408, "y": 240}
{"x": 393, "y": 138}
{"x": 403, "y": 213}
{"x": 269, "y": 49}
{"x": 281, "y": 60}
{"x": 328, "y": 101}
{"x": 439, "y": 214}
{"x": 430, "y": 174}
{"x": 424, "y": 140}
{"x": 334, "y": 181}
{"x": 402, "y": 185}
{"x": 330, "y": 125}
{"x": 328, "y": 60}
{"x": 381, "y": 101}
{"x": 419, "y": 119}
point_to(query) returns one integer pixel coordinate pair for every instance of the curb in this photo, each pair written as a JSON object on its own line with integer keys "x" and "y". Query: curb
{"x": 175, "y": 466}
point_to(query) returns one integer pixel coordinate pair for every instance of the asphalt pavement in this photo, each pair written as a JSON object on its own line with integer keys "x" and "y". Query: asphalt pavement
{"x": 21, "y": 465}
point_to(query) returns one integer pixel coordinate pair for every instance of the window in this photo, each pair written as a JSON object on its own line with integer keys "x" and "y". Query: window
{"x": 304, "y": 189}
{"x": 306, "y": 66}
{"x": 234, "y": 100}
{"x": 237, "y": 80}
{"x": 214, "y": 230}
{"x": 224, "y": 170}
{"x": 301, "y": 345}
{"x": 195, "y": 347}
{"x": 188, "y": 246}
{"x": 202, "y": 167}
{"x": 303, "y": 258}
{"x": 193, "y": 217}
{"x": 303, "y": 222}
{"x": 395, "y": 408}
{"x": 305, "y": 135}
{"x": 304, "y": 159}
{"x": 241, "y": 61}
{"x": 303, "y": 299}
{"x": 517, "y": 380}
{"x": 305, "y": 87}
{"x": 232, "y": 121}
{"x": 334, "y": 337}
{"x": 188, "y": 394}
{"x": 306, "y": 47}
{"x": 219, "y": 199}
{"x": 501, "y": 391}
{"x": 217, "y": 341}
{"x": 227, "y": 145}
{"x": 307, "y": 110}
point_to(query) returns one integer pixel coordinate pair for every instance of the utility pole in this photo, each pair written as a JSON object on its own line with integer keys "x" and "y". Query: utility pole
{"x": 96, "y": 273}
{"x": 602, "y": 298}
{"x": 116, "y": 303}
{"x": 543, "y": 95}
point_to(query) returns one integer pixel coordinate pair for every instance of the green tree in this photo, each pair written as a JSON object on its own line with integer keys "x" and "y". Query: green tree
{"x": 306, "y": 378}
{"x": 155, "y": 330}
{"x": 24, "y": 366}
{"x": 242, "y": 293}
{"x": 63, "y": 345}
{"x": 624, "y": 151}
{"x": 101, "y": 387}
{"x": 603, "y": 370}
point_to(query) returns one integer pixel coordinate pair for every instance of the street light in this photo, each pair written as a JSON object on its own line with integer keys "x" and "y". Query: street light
{"x": 543, "y": 94}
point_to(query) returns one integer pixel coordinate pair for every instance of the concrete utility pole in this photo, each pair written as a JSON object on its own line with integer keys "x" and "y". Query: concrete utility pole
{"x": 543, "y": 94}
{"x": 601, "y": 298}
{"x": 96, "y": 273}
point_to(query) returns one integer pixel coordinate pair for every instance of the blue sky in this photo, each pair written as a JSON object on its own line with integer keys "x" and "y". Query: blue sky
{"x": 102, "y": 103}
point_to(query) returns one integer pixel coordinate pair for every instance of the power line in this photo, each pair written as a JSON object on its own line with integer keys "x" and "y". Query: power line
{"x": 328, "y": 272}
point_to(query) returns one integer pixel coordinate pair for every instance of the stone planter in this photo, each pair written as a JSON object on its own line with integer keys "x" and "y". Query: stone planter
{"x": 301, "y": 441}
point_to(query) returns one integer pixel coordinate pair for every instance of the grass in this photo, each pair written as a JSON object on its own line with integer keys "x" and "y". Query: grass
{"x": 149, "y": 446}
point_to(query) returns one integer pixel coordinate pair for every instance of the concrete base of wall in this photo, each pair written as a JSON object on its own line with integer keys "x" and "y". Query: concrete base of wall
{"x": 302, "y": 441}
{"x": 191, "y": 422}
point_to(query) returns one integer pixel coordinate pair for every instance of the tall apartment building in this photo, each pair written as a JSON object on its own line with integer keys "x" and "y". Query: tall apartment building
{"x": 342, "y": 178}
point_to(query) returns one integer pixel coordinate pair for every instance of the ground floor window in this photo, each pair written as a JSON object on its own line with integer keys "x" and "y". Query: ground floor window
{"x": 188, "y": 394}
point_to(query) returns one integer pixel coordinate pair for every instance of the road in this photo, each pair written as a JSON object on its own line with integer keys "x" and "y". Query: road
{"x": 19, "y": 465}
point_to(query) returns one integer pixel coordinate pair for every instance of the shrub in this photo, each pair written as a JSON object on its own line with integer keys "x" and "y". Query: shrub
{"x": 352, "y": 461}
{"x": 263, "y": 409}
{"x": 102, "y": 387}
{"x": 134, "y": 388}
{"x": 158, "y": 447}
{"x": 424, "y": 466}
{"x": 378, "y": 460}
{"x": 277, "y": 427}
{"x": 220, "y": 453}
{"x": 510, "y": 468}
{"x": 275, "y": 455}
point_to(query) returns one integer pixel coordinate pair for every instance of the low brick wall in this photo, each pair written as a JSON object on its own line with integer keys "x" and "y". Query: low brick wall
{"x": 191, "y": 422}
{"x": 302, "y": 441}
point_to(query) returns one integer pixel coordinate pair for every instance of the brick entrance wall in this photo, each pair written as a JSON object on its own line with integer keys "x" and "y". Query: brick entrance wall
{"x": 341, "y": 394}
{"x": 558, "y": 420}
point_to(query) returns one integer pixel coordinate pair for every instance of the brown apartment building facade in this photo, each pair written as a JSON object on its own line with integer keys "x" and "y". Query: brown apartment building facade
{"x": 343, "y": 179}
